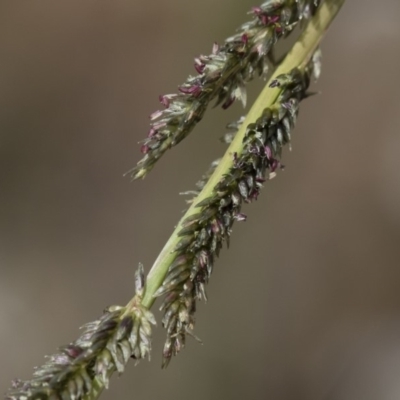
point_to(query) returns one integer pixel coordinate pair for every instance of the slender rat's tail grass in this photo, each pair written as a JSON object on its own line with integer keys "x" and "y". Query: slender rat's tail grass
{"x": 82, "y": 369}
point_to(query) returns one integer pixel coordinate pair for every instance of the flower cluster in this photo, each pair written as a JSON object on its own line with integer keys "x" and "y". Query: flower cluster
{"x": 222, "y": 75}
{"x": 105, "y": 345}
{"x": 204, "y": 232}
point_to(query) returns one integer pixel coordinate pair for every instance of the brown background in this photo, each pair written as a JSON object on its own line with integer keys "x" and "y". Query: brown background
{"x": 305, "y": 304}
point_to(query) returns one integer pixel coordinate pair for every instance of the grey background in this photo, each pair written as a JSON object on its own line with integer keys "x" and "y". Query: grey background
{"x": 305, "y": 304}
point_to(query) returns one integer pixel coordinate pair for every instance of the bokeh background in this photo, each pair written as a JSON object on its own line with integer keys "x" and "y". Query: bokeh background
{"x": 305, "y": 304}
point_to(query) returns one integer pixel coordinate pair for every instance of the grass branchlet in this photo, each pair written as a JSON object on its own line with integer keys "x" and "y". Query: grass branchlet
{"x": 203, "y": 233}
{"x": 105, "y": 345}
{"x": 222, "y": 76}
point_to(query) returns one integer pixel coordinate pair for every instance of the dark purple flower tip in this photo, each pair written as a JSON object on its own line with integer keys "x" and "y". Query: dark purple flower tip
{"x": 273, "y": 19}
{"x": 275, "y": 83}
{"x": 245, "y": 38}
{"x": 291, "y": 105}
{"x": 268, "y": 152}
{"x": 255, "y": 150}
{"x": 152, "y": 133}
{"x": 73, "y": 351}
{"x": 199, "y": 65}
{"x": 274, "y": 164}
{"x": 215, "y": 227}
{"x": 164, "y": 100}
{"x": 228, "y": 102}
{"x": 236, "y": 161}
{"x": 264, "y": 19}
{"x": 254, "y": 195}
{"x": 199, "y": 68}
{"x": 145, "y": 149}
{"x": 194, "y": 90}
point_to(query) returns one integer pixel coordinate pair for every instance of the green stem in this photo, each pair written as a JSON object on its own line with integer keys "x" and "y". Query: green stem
{"x": 299, "y": 55}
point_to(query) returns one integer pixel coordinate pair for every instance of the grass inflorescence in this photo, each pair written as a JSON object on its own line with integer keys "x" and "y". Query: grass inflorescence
{"x": 80, "y": 370}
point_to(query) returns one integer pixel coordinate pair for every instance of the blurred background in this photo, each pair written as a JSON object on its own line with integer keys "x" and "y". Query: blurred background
{"x": 304, "y": 305}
